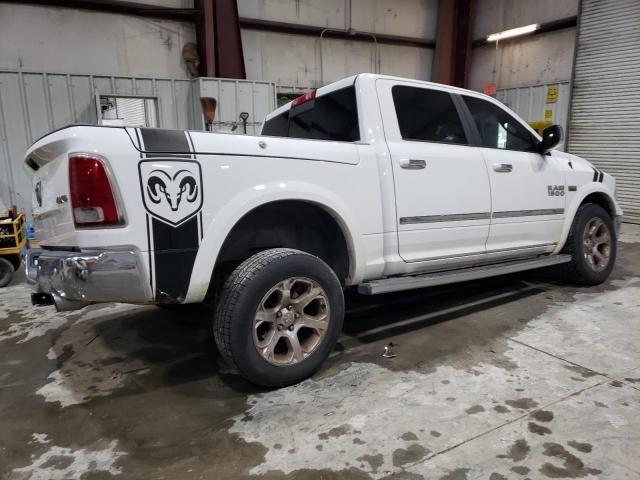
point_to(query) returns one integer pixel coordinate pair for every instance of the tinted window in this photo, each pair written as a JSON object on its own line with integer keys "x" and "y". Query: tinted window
{"x": 428, "y": 115}
{"x": 277, "y": 126}
{"x": 497, "y": 128}
{"x": 333, "y": 116}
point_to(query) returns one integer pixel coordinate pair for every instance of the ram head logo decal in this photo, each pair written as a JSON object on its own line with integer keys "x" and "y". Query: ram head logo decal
{"x": 182, "y": 186}
{"x": 172, "y": 189}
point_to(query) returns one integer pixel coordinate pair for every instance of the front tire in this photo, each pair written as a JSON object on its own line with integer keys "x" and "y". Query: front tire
{"x": 593, "y": 245}
{"x": 279, "y": 316}
{"x": 6, "y": 272}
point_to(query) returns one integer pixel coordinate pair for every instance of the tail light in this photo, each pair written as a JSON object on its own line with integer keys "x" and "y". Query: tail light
{"x": 92, "y": 198}
{"x": 304, "y": 98}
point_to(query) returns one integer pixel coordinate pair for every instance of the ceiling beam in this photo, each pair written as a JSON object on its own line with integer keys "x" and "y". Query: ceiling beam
{"x": 313, "y": 31}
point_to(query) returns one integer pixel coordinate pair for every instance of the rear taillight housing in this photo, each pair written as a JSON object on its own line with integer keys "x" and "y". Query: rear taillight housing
{"x": 93, "y": 201}
{"x": 304, "y": 98}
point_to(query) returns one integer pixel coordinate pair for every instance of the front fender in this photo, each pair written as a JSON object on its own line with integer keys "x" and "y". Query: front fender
{"x": 218, "y": 225}
{"x": 577, "y": 200}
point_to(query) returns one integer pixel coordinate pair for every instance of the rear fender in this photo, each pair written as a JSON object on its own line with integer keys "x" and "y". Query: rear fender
{"x": 247, "y": 200}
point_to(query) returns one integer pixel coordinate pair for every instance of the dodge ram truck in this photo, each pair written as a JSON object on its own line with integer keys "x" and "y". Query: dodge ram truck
{"x": 373, "y": 182}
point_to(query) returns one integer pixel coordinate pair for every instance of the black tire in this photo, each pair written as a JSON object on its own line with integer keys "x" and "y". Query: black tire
{"x": 242, "y": 294}
{"x": 6, "y": 272}
{"x": 579, "y": 270}
{"x": 15, "y": 261}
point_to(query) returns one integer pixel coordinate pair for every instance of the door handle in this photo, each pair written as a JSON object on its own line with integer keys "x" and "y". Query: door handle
{"x": 503, "y": 167}
{"x": 411, "y": 164}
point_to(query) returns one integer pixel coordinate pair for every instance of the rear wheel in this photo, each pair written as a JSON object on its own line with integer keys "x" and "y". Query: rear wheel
{"x": 279, "y": 316}
{"x": 6, "y": 272}
{"x": 593, "y": 245}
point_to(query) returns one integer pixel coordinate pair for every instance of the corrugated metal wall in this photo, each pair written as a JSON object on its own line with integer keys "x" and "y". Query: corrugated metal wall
{"x": 32, "y": 104}
{"x": 605, "y": 112}
{"x": 535, "y": 104}
{"x": 235, "y": 96}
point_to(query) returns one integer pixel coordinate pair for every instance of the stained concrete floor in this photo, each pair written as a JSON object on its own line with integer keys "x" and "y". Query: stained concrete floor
{"x": 517, "y": 377}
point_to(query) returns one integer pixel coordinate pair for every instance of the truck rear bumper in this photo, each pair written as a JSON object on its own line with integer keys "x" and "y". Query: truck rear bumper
{"x": 72, "y": 280}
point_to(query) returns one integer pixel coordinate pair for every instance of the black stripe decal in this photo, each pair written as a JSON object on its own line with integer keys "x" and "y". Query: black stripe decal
{"x": 175, "y": 250}
{"x": 165, "y": 141}
{"x": 595, "y": 175}
{"x": 601, "y": 177}
{"x": 175, "y": 241}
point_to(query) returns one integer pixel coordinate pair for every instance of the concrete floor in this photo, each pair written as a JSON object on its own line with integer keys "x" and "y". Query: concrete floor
{"x": 517, "y": 377}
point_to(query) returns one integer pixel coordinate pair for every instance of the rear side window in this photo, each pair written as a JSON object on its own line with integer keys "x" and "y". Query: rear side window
{"x": 333, "y": 116}
{"x": 497, "y": 128}
{"x": 277, "y": 126}
{"x": 427, "y": 115}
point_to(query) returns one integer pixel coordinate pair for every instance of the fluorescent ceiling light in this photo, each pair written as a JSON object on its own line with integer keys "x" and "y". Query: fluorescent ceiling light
{"x": 514, "y": 32}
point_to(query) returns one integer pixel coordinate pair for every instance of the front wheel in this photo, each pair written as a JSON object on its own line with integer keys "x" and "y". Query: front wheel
{"x": 6, "y": 272}
{"x": 279, "y": 316}
{"x": 593, "y": 244}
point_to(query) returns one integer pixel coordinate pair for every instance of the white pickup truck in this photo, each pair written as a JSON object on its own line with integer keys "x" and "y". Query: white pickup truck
{"x": 378, "y": 182}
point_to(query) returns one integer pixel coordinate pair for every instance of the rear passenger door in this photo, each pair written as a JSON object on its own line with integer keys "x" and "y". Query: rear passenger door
{"x": 442, "y": 190}
{"x": 527, "y": 188}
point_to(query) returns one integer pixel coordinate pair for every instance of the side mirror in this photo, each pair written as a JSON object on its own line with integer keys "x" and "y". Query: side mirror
{"x": 551, "y": 137}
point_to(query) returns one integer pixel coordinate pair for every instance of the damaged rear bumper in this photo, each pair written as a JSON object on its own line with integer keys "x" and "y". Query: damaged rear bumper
{"x": 72, "y": 280}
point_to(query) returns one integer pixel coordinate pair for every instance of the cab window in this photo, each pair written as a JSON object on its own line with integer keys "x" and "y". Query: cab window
{"x": 427, "y": 115}
{"x": 333, "y": 116}
{"x": 497, "y": 128}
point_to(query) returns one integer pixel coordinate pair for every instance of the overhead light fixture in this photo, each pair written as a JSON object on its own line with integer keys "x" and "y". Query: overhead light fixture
{"x": 514, "y": 32}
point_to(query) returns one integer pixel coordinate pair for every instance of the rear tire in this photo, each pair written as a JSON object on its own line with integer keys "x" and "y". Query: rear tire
{"x": 6, "y": 272}
{"x": 593, "y": 245}
{"x": 279, "y": 316}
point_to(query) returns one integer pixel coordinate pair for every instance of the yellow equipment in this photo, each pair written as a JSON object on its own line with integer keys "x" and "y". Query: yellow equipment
{"x": 13, "y": 242}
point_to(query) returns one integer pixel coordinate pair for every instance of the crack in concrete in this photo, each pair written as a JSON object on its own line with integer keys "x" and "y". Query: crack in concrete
{"x": 498, "y": 427}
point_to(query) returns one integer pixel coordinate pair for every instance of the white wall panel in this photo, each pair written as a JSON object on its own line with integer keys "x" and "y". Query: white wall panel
{"x": 52, "y": 39}
{"x": 409, "y": 18}
{"x": 294, "y": 60}
{"x": 325, "y": 13}
{"x": 498, "y": 15}
{"x": 534, "y": 60}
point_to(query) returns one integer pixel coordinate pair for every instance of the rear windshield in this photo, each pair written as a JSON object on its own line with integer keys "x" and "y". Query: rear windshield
{"x": 333, "y": 116}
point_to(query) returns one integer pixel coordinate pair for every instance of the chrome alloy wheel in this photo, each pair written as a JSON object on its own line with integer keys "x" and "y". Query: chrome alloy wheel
{"x": 291, "y": 321}
{"x": 597, "y": 244}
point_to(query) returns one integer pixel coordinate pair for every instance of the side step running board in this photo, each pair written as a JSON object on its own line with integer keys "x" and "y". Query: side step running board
{"x": 396, "y": 284}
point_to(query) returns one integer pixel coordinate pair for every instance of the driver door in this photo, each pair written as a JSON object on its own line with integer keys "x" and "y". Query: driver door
{"x": 527, "y": 188}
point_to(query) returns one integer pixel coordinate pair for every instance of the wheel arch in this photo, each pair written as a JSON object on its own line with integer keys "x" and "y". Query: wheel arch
{"x": 300, "y": 224}
{"x": 590, "y": 193}
{"x": 238, "y": 209}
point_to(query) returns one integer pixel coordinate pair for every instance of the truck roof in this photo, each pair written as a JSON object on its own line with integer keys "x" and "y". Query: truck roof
{"x": 338, "y": 84}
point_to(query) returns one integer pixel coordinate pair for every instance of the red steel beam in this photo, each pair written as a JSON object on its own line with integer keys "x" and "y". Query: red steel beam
{"x": 205, "y": 37}
{"x": 453, "y": 42}
{"x": 228, "y": 41}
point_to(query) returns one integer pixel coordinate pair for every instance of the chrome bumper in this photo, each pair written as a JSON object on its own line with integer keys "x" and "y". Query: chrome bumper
{"x": 77, "y": 279}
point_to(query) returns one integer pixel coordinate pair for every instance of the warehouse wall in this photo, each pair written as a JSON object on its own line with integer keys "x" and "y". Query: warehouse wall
{"x": 32, "y": 104}
{"x": 38, "y": 38}
{"x": 294, "y": 60}
{"x": 530, "y": 60}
